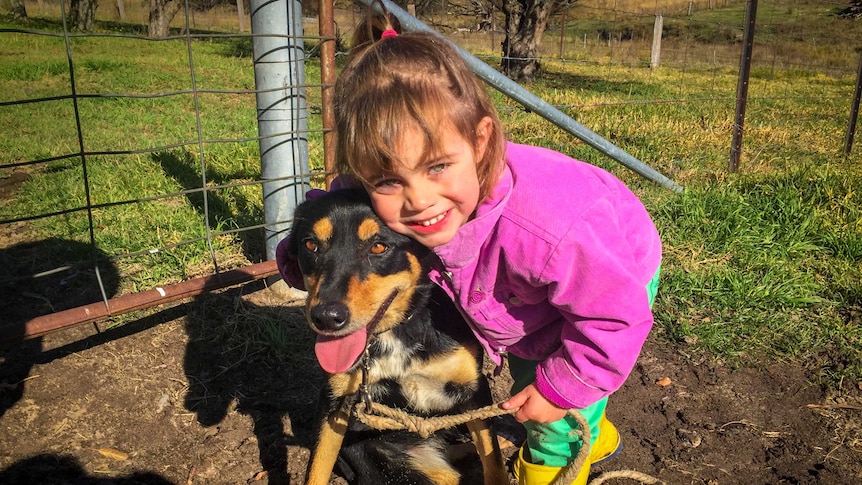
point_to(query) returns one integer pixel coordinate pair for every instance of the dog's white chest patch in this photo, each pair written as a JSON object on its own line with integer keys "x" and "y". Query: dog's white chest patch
{"x": 392, "y": 361}
{"x": 423, "y": 391}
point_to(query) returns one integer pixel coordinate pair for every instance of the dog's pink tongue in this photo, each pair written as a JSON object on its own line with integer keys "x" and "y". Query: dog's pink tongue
{"x": 338, "y": 354}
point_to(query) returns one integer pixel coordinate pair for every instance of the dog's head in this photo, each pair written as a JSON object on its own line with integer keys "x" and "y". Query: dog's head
{"x": 360, "y": 275}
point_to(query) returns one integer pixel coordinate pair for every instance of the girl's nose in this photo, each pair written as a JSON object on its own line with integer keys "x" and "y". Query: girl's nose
{"x": 419, "y": 197}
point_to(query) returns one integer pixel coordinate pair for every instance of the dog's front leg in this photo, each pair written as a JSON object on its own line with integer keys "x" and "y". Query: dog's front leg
{"x": 333, "y": 426}
{"x": 494, "y": 470}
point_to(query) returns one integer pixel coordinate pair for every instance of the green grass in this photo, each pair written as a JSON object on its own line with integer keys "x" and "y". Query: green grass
{"x": 760, "y": 265}
{"x": 765, "y": 266}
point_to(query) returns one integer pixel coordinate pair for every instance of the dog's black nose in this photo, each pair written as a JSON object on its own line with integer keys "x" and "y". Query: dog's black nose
{"x": 330, "y": 316}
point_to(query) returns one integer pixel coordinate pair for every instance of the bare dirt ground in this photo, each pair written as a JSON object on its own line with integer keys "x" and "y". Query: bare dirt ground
{"x": 191, "y": 394}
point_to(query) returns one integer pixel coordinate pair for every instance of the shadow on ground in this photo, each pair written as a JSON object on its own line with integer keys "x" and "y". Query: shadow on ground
{"x": 221, "y": 390}
{"x": 219, "y": 372}
{"x": 37, "y": 279}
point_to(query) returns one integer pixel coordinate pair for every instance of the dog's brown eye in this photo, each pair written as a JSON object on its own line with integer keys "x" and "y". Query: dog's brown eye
{"x": 378, "y": 248}
{"x": 311, "y": 245}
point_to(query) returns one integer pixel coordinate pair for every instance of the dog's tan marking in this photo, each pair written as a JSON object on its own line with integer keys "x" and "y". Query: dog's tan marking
{"x": 367, "y": 229}
{"x": 424, "y": 383}
{"x": 429, "y": 462}
{"x": 328, "y": 445}
{"x": 458, "y": 367}
{"x": 404, "y": 281}
{"x": 364, "y": 297}
{"x": 312, "y": 284}
{"x": 344, "y": 384}
{"x": 493, "y": 468}
{"x": 323, "y": 229}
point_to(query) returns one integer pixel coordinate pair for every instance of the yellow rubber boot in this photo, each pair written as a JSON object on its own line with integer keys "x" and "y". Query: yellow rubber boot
{"x": 607, "y": 445}
{"x": 531, "y": 474}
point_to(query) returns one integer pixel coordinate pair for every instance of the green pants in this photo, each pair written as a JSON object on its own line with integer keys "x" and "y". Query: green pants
{"x": 556, "y": 444}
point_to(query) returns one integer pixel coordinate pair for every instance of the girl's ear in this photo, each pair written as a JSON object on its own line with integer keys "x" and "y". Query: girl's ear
{"x": 484, "y": 130}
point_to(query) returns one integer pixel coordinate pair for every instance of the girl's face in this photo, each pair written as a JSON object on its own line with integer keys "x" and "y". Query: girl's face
{"x": 429, "y": 197}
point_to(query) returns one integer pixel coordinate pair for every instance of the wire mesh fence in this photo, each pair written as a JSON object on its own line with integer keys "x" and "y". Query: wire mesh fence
{"x": 131, "y": 163}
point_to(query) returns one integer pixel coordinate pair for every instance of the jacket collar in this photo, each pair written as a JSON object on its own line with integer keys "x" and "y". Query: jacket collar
{"x": 464, "y": 248}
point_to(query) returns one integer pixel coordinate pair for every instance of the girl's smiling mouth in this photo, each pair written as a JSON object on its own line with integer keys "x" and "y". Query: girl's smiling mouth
{"x": 429, "y": 225}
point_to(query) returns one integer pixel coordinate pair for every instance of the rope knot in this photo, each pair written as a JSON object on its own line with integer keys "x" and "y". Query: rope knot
{"x": 382, "y": 417}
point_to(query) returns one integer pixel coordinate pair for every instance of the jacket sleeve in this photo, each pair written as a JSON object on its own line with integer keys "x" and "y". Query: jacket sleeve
{"x": 288, "y": 266}
{"x": 598, "y": 282}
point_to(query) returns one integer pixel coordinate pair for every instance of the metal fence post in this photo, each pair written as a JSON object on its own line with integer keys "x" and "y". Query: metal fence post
{"x": 742, "y": 85}
{"x": 282, "y": 120}
{"x": 854, "y": 111}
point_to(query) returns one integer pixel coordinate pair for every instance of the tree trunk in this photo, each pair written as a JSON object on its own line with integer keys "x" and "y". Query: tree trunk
{"x": 19, "y": 12}
{"x": 525, "y": 23}
{"x": 82, "y": 14}
{"x": 162, "y": 12}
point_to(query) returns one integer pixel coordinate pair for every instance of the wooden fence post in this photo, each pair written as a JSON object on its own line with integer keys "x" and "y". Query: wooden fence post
{"x": 241, "y": 14}
{"x": 328, "y": 74}
{"x": 655, "y": 54}
{"x": 562, "y": 33}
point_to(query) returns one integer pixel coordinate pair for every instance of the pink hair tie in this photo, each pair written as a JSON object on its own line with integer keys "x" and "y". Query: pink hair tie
{"x": 388, "y": 33}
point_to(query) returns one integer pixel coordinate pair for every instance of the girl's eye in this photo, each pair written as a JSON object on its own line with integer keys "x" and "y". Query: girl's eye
{"x": 378, "y": 248}
{"x": 387, "y": 187}
{"x": 436, "y": 169}
{"x": 311, "y": 245}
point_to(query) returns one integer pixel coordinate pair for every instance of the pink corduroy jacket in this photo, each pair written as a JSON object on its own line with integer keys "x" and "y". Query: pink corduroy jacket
{"x": 554, "y": 268}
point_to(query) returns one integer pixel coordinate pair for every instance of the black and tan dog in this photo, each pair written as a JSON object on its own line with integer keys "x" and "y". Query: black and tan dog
{"x": 376, "y": 313}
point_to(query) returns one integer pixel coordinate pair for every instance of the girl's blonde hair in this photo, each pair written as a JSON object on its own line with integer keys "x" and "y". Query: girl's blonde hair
{"x": 406, "y": 82}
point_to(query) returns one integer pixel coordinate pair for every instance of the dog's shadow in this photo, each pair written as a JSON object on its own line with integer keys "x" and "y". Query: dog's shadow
{"x": 248, "y": 353}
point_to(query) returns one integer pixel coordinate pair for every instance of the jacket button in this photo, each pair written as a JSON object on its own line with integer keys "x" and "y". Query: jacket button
{"x": 476, "y": 297}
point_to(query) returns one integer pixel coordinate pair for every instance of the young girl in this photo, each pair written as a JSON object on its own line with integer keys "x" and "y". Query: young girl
{"x": 553, "y": 262}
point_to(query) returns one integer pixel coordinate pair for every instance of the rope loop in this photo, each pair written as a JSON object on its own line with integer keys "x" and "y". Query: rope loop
{"x": 383, "y": 417}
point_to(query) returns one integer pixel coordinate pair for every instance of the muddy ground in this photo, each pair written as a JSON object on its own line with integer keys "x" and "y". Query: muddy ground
{"x": 193, "y": 394}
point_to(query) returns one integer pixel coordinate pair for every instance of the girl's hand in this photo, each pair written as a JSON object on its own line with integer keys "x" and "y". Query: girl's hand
{"x": 534, "y": 407}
